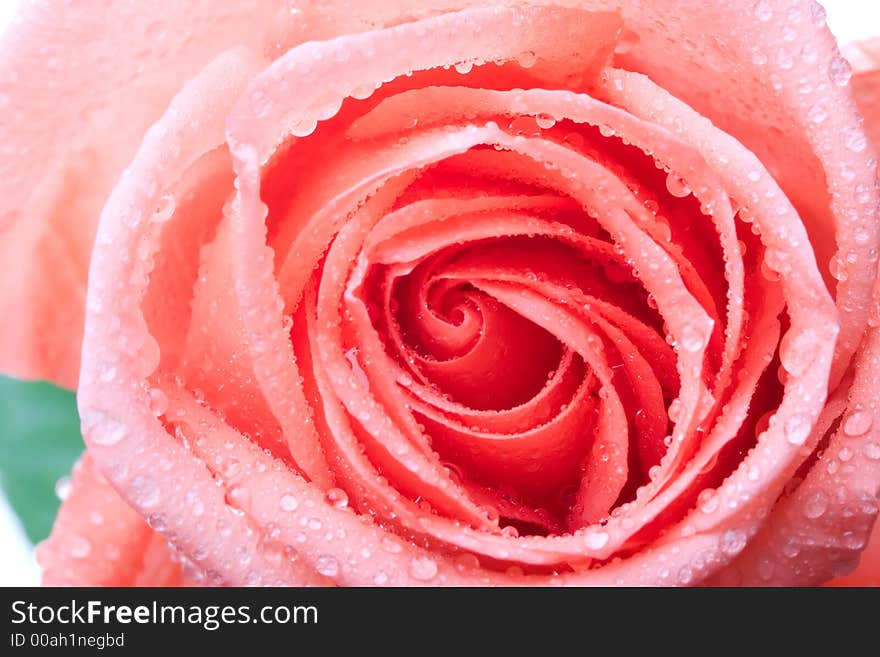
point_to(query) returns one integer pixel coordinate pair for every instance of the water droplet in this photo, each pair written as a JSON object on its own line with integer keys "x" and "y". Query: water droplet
{"x": 157, "y": 521}
{"x": 491, "y": 513}
{"x": 732, "y": 542}
{"x": 595, "y": 540}
{"x": 62, "y": 488}
{"x": 145, "y": 491}
{"x": 423, "y": 569}
{"x": 527, "y": 59}
{"x": 685, "y": 575}
{"x": 763, "y": 11}
{"x": 362, "y": 92}
{"x": 80, "y": 547}
{"x": 327, "y": 565}
{"x": 107, "y": 374}
{"x": 109, "y": 433}
{"x": 158, "y": 402}
{"x": 289, "y": 502}
{"x": 817, "y": 13}
{"x": 797, "y": 351}
{"x": 797, "y": 429}
{"x": 405, "y": 379}
{"x": 872, "y": 451}
{"x": 817, "y": 113}
{"x": 854, "y": 139}
{"x": 853, "y": 540}
{"x": 238, "y": 497}
{"x": 815, "y": 505}
{"x": 676, "y": 186}
{"x": 692, "y": 339}
{"x": 839, "y": 71}
{"x": 337, "y": 497}
{"x": 391, "y": 545}
{"x": 304, "y": 127}
{"x": 845, "y": 454}
{"x": 196, "y": 506}
{"x": 380, "y": 578}
{"x": 837, "y": 268}
{"x": 784, "y": 59}
{"x": 765, "y": 568}
{"x": 545, "y": 121}
{"x": 164, "y": 209}
{"x": 707, "y": 500}
{"x": 466, "y": 561}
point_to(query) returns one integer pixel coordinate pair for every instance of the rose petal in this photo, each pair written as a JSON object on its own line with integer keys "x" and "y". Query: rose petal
{"x": 98, "y": 540}
{"x": 58, "y": 165}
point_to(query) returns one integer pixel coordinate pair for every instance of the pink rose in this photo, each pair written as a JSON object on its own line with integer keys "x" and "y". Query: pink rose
{"x": 447, "y": 293}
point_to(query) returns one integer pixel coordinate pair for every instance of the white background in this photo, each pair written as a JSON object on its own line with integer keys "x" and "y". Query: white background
{"x": 850, "y": 20}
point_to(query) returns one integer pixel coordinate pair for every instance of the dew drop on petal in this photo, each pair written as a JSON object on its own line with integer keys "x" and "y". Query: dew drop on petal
{"x": 337, "y": 497}
{"x": 327, "y": 565}
{"x": 595, "y": 540}
{"x": 527, "y": 59}
{"x": 797, "y": 429}
{"x": 164, "y": 209}
{"x": 466, "y": 561}
{"x": 157, "y": 521}
{"x": 110, "y": 434}
{"x": 289, "y": 502}
{"x": 391, "y": 545}
{"x": 854, "y": 139}
{"x": 145, "y": 491}
{"x": 509, "y": 531}
{"x": 545, "y": 121}
{"x": 817, "y": 13}
{"x": 763, "y": 11}
{"x": 815, "y": 505}
{"x": 733, "y": 541}
{"x": 80, "y": 547}
{"x": 423, "y": 569}
{"x": 858, "y": 423}
{"x": 797, "y": 351}
{"x": 158, "y": 402}
{"x": 62, "y": 488}
{"x": 839, "y": 71}
{"x": 303, "y": 127}
{"x": 765, "y": 568}
{"x": 707, "y": 500}
{"x": 692, "y": 339}
{"x": 676, "y": 186}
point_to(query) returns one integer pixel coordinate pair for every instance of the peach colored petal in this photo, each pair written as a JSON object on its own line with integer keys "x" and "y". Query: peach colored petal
{"x": 58, "y": 102}
{"x": 98, "y": 540}
{"x": 865, "y": 59}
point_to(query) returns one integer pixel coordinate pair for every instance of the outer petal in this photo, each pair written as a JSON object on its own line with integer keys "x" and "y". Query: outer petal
{"x": 865, "y": 59}
{"x": 98, "y": 540}
{"x": 77, "y": 94}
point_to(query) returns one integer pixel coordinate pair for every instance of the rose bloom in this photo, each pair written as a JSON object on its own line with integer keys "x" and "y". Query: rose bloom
{"x": 448, "y": 293}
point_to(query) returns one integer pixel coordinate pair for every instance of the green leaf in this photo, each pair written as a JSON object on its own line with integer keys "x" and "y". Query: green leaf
{"x": 39, "y": 443}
